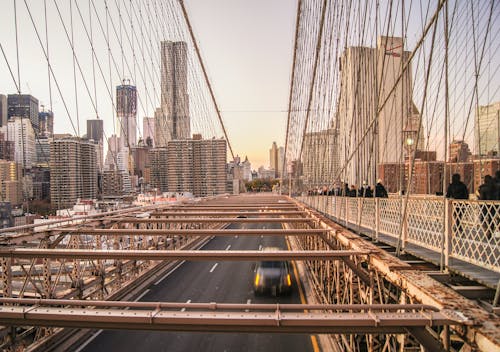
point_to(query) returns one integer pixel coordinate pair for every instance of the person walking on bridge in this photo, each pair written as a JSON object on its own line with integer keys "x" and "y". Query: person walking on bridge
{"x": 487, "y": 191}
{"x": 380, "y": 190}
{"x": 457, "y": 190}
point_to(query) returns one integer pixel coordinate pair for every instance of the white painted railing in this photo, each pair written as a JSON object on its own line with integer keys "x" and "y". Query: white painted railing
{"x": 465, "y": 230}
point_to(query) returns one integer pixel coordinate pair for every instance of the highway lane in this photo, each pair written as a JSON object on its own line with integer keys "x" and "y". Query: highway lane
{"x": 222, "y": 282}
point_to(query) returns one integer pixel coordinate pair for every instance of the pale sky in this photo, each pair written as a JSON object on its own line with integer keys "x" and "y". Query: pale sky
{"x": 246, "y": 45}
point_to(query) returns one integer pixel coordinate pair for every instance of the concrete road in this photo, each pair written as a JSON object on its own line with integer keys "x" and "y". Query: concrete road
{"x": 222, "y": 282}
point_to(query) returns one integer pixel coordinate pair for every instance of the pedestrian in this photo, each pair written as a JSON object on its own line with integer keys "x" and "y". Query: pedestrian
{"x": 497, "y": 183}
{"x": 353, "y": 192}
{"x": 380, "y": 190}
{"x": 457, "y": 189}
{"x": 487, "y": 191}
{"x": 368, "y": 192}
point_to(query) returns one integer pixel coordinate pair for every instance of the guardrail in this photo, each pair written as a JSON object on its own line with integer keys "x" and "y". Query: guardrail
{"x": 468, "y": 231}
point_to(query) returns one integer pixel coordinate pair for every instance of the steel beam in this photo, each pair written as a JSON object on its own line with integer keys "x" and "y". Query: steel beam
{"x": 190, "y": 232}
{"x": 219, "y": 306}
{"x": 192, "y": 255}
{"x": 170, "y": 212}
{"x": 272, "y": 322}
{"x": 208, "y": 220}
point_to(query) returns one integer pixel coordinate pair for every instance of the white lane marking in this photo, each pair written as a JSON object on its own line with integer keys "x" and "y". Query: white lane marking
{"x": 213, "y": 268}
{"x": 207, "y": 242}
{"x": 236, "y": 236}
{"x": 248, "y": 302}
{"x": 227, "y": 248}
{"x": 92, "y": 338}
{"x": 142, "y": 295}
{"x": 260, "y": 247}
{"x": 170, "y": 272}
{"x": 184, "y": 309}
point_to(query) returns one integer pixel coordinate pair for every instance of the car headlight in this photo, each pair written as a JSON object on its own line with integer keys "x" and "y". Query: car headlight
{"x": 257, "y": 280}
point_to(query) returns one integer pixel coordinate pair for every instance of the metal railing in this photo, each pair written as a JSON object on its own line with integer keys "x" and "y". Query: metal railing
{"x": 465, "y": 230}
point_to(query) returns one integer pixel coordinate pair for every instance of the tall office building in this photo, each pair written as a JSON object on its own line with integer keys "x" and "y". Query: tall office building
{"x": 148, "y": 131}
{"x": 487, "y": 129}
{"x": 172, "y": 118}
{"x": 158, "y": 159}
{"x": 320, "y": 158}
{"x": 20, "y": 131}
{"x": 273, "y": 159}
{"x": 95, "y": 130}
{"x": 126, "y": 109}
{"x": 95, "y": 134}
{"x": 10, "y": 182}
{"x": 73, "y": 166}
{"x": 25, "y": 106}
{"x": 3, "y": 110}
{"x": 197, "y": 166}
{"x": 209, "y": 166}
{"x": 46, "y": 123}
{"x": 368, "y": 76}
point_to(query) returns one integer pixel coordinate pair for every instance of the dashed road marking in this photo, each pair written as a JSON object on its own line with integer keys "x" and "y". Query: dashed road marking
{"x": 184, "y": 309}
{"x": 213, "y": 268}
{"x": 142, "y": 295}
{"x": 170, "y": 272}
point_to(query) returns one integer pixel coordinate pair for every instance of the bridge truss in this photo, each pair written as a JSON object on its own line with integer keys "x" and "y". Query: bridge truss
{"x": 359, "y": 297}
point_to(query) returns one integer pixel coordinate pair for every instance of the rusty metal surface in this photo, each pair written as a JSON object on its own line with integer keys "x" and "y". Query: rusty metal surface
{"x": 192, "y": 255}
{"x": 189, "y": 232}
{"x": 480, "y": 329}
{"x": 266, "y": 219}
{"x": 221, "y": 213}
{"x": 275, "y": 321}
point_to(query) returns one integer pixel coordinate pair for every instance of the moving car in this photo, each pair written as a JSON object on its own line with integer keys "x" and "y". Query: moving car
{"x": 272, "y": 277}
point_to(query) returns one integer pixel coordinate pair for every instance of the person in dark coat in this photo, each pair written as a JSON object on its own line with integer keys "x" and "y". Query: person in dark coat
{"x": 487, "y": 191}
{"x": 368, "y": 192}
{"x": 380, "y": 190}
{"x": 497, "y": 183}
{"x": 353, "y": 192}
{"x": 457, "y": 189}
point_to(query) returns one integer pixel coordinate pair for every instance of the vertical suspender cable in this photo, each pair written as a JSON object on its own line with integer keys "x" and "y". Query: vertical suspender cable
{"x": 292, "y": 81}
{"x": 193, "y": 39}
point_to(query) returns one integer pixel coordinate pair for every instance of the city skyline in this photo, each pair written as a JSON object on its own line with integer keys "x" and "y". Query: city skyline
{"x": 259, "y": 65}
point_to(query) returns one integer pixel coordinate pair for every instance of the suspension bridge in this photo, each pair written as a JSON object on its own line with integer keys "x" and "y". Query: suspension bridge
{"x": 377, "y": 91}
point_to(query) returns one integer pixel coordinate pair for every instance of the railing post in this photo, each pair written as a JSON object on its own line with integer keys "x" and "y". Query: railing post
{"x": 346, "y": 212}
{"x": 377, "y": 218}
{"x": 405, "y": 227}
{"x": 359, "y": 202}
{"x": 447, "y": 235}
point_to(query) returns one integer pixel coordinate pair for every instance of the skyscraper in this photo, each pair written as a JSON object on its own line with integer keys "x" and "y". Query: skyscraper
{"x": 273, "y": 159}
{"x": 172, "y": 119}
{"x": 95, "y": 132}
{"x": 3, "y": 110}
{"x": 126, "y": 109}
{"x": 148, "y": 131}
{"x": 25, "y": 106}
{"x": 366, "y": 139}
{"x": 487, "y": 129}
{"x": 73, "y": 166}
{"x": 46, "y": 123}
{"x": 20, "y": 131}
{"x": 320, "y": 157}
